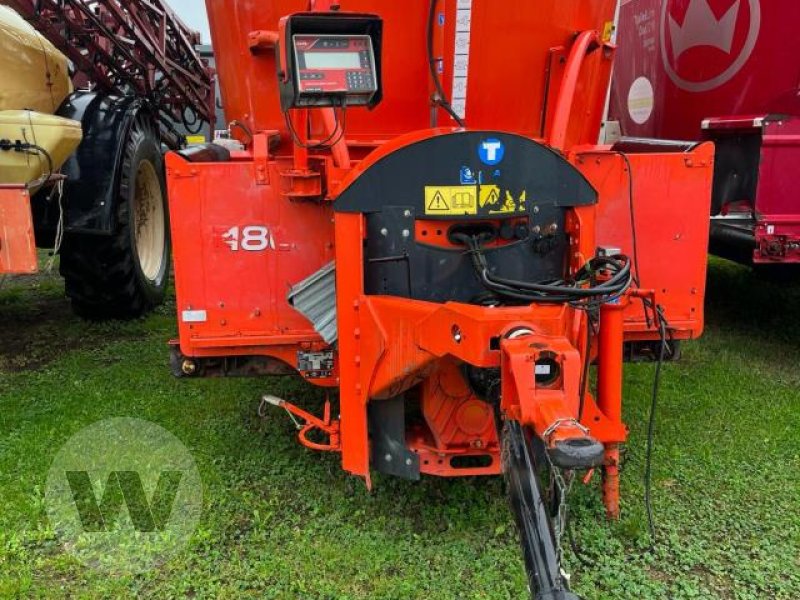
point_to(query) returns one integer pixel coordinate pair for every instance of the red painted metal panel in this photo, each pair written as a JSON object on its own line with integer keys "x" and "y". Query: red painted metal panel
{"x": 506, "y": 82}
{"x": 238, "y": 249}
{"x": 667, "y": 232}
{"x": 704, "y": 58}
{"x": 17, "y": 244}
{"x": 777, "y": 209}
{"x": 780, "y": 158}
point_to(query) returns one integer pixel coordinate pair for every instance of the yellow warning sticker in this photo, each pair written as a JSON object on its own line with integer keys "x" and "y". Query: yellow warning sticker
{"x": 447, "y": 200}
{"x": 492, "y": 202}
{"x": 490, "y": 197}
{"x": 451, "y": 200}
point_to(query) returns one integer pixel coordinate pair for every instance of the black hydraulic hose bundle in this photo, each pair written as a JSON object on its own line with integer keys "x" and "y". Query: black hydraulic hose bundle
{"x": 586, "y": 290}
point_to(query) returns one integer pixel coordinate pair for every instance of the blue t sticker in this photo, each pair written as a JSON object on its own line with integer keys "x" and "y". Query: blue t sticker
{"x": 491, "y": 152}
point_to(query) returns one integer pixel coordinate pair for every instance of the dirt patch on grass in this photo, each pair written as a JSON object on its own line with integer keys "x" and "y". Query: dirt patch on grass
{"x": 31, "y": 330}
{"x": 37, "y": 325}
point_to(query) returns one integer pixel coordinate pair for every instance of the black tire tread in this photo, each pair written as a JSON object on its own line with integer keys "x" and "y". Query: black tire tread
{"x": 100, "y": 272}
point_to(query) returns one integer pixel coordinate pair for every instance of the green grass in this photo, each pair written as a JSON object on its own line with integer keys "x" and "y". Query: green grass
{"x": 283, "y": 522}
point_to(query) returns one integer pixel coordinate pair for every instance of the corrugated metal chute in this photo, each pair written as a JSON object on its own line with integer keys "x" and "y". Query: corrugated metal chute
{"x": 315, "y": 299}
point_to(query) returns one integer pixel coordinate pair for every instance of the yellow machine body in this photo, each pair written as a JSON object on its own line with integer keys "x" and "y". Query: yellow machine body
{"x": 35, "y": 74}
{"x": 58, "y": 137}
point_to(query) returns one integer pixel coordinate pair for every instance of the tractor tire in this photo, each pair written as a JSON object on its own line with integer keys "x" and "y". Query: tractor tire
{"x": 125, "y": 275}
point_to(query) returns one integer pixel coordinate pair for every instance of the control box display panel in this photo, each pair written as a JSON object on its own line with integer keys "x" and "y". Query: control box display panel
{"x": 335, "y": 70}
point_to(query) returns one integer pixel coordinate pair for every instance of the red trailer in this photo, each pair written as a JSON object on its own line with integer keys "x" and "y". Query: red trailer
{"x": 726, "y": 71}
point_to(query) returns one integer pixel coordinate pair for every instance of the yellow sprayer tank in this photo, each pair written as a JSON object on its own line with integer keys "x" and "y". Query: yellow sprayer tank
{"x": 36, "y": 81}
{"x": 58, "y": 137}
{"x": 35, "y": 74}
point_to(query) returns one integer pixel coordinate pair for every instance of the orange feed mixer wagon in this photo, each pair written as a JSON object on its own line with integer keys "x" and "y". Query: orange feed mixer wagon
{"x": 418, "y": 218}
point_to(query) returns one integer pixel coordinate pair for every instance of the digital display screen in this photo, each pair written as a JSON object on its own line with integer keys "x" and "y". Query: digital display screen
{"x": 332, "y": 60}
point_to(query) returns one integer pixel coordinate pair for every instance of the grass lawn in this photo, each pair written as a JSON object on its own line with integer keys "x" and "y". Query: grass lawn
{"x": 282, "y": 522}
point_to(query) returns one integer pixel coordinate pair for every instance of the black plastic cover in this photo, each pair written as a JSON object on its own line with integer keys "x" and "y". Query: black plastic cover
{"x": 90, "y": 191}
{"x": 394, "y": 191}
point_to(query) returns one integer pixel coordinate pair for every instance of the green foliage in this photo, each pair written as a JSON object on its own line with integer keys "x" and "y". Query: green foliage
{"x": 282, "y": 522}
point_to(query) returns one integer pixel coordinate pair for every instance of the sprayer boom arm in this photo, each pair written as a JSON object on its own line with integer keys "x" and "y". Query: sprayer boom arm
{"x": 129, "y": 46}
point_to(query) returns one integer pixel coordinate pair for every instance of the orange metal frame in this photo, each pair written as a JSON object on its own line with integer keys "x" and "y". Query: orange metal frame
{"x": 17, "y": 243}
{"x": 233, "y": 302}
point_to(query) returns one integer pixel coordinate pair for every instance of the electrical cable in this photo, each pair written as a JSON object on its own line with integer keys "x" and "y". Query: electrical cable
{"x": 59, "y": 237}
{"x": 663, "y": 327}
{"x": 664, "y": 331}
{"x": 631, "y": 204}
{"x": 633, "y": 216}
{"x": 441, "y": 97}
{"x": 27, "y": 146}
{"x": 31, "y": 149}
{"x": 334, "y": 138}
{"x": 39, "y": 150}
{"x": 329, "y": 142}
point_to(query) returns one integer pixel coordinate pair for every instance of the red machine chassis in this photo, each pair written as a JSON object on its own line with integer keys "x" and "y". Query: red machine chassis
{"x": 362, "y": 260}
{"x": 389, "y": 345}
